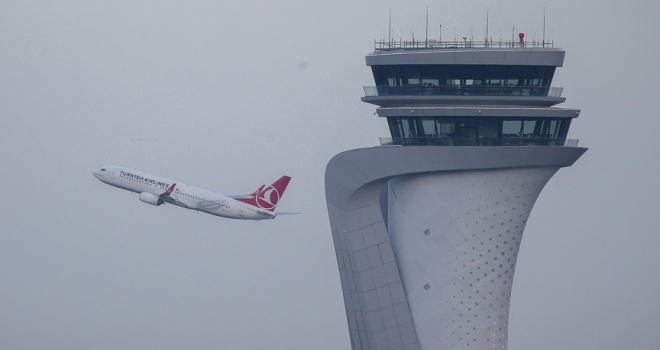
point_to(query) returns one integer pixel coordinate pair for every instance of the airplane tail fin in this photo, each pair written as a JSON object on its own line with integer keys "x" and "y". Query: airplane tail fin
{"x": 169, "y": 190}
{"x": 267, "y": 197}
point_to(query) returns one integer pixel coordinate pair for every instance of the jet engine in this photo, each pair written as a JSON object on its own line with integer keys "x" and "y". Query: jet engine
{"x": 151, "y": 198}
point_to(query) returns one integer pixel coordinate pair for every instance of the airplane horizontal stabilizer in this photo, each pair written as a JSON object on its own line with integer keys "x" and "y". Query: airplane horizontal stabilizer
{"x": 267, "y": 197}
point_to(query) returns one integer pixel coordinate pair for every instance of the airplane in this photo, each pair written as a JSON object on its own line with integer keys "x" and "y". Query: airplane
{"x": 154, "y": 190}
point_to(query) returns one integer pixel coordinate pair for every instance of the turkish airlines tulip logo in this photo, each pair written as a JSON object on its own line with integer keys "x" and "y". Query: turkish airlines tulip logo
{"x": 268, "y": 198}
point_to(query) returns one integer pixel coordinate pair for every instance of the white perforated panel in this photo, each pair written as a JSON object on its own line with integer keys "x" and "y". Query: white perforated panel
{"x": 456, "y": 236}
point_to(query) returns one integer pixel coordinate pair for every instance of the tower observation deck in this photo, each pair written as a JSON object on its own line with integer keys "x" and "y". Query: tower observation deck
{"x": 428, "y": 224}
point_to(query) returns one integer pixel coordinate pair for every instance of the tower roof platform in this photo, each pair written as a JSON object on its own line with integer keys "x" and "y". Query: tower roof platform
{"x": 466, "y": 53}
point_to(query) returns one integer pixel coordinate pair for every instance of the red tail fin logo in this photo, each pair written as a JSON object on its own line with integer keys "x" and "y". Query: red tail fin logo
{"x": 268, "y": 197}
{"x": 169, "y": 190}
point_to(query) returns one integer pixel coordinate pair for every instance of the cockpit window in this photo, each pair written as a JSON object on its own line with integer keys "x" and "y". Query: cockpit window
{"x": 102, "y": 169}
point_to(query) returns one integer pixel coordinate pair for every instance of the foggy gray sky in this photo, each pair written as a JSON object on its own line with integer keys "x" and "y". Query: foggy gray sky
{"x": 227, "y": 96}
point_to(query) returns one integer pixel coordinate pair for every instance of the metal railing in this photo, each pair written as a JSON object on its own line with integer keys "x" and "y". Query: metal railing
{"x": 393, "y": 45}
{"x": 462, "y": 90}
{"x": 464, "y": 141}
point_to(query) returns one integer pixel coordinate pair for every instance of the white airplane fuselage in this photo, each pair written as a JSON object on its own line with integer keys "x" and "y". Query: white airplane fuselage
{"x": 152, "y": 190}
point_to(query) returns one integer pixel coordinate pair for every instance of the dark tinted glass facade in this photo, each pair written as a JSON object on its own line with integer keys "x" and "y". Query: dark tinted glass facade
{"x": 463, "y": 79}
{"x": 472, "y": 131}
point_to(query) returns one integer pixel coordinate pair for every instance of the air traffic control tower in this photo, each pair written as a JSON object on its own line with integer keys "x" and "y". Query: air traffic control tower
{"x": 427, "y": 225}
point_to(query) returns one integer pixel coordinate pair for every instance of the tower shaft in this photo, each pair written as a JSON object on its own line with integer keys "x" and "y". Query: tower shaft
{"x": 457, "y": 256}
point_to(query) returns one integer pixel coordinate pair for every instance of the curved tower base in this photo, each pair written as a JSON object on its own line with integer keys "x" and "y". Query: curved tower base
{"x": 455, "y": 236}
{"x": 420, "y": 233}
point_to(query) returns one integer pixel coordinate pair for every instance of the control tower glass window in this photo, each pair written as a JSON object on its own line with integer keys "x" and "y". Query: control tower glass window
{"x": 463, "y": 79}
{"x": 438, "y": 131}
{"x": 473, "y": 131}
{"x": 404, "y": 129}
{"x": 489, "y": 131}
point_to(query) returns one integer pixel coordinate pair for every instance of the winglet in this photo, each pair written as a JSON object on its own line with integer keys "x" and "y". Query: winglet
{"x": 169, "y": 190}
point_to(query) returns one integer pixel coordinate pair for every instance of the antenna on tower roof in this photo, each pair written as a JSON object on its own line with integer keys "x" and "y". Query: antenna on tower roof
{"x": 486, "y": 27}
{"x": 513, "y": 31}
{"x": 544, "y": 27}
{"x": 389, "y": 30}
{"x": 426, "y": 40}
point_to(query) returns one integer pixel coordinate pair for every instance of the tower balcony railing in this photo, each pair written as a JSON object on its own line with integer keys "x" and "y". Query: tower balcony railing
{"x": 466, "y": 43}
{"x": 471, "y": 141}
{"x": 462, "y": 90}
